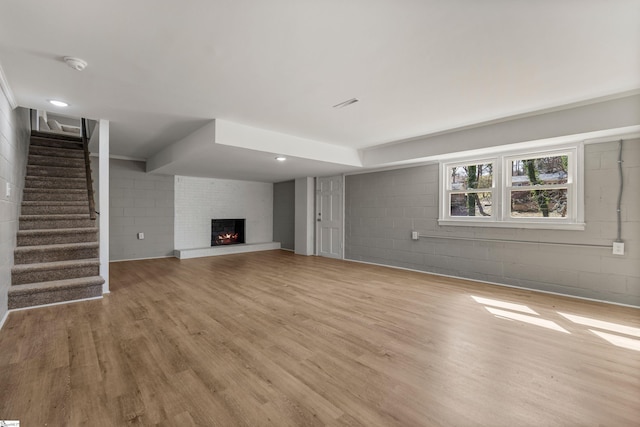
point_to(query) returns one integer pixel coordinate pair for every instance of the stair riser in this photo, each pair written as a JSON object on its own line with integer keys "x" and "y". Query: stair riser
{"x": 55, "y": 239}
{"x": 37, "y": 256}
{"x": 64, "y": 162}
{"x": 53, "y": 296}
{"x": 20, "y": 278}
{"x": 47, "y": 171}
{"x": 53, "y": 210}
{"x": 39, "y": 142}
{"x": 55, "y": 223}
{"x": 68, "y": 183}
{"x": 56, "y": 152}
{"x": 44, "y": 196}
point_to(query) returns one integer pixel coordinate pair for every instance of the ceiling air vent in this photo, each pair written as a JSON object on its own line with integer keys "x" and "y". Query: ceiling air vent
{"x": 346, "y": 103}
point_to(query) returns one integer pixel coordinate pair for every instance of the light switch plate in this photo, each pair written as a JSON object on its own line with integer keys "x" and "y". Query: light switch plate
{"x": 7, "y": 192}
{"x": 140, "y": 236}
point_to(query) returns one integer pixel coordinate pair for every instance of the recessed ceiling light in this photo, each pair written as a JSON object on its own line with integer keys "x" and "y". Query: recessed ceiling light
{"x": 281, "y": 158}
{"x": 58, "y": 103}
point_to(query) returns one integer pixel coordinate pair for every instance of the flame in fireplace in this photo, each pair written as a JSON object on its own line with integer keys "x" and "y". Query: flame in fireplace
{"x": 227, "y": 231}
{"x": 226, "y": 238}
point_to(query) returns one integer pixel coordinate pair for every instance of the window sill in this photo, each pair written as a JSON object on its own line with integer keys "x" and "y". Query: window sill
{"x": 579, "y": 226}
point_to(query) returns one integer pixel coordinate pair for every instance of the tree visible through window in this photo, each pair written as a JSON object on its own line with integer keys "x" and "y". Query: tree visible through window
{"x": 546, "y": 179}
{"x": 471, "y": 190}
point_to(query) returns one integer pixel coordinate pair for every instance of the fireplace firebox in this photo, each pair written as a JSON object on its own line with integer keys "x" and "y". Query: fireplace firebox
{"x": 227, "y": 231}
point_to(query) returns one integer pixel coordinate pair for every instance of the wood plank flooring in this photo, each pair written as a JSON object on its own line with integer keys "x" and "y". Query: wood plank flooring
{"x": 272, "y": 338}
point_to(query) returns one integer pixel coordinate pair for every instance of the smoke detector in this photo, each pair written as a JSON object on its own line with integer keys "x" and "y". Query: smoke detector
{"x": 75, "y": 63}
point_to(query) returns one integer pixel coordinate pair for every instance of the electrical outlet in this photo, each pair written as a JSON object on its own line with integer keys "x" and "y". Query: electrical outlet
{"x": 618, "y": 248}
{"x": 140, "y": 236}
{"x": 414, "y": 235}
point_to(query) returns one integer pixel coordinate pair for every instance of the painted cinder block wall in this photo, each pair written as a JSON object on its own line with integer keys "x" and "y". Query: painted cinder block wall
{"x": 199, "y": 200}
{"x": 14, "y": 147}
{"x": 139, "y": 202}
{"x": 382, "y": 208}
{"x": 284, "y": 195}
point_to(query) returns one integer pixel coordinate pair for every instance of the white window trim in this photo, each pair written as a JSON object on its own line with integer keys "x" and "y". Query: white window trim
{"x": 501, "y": 217}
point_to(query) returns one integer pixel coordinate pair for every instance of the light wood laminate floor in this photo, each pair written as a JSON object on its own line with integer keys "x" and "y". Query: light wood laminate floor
{"x": 272, "y": 338}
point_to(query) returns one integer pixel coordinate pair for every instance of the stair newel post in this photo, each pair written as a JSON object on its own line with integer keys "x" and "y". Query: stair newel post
{"x": 87, "y": 162}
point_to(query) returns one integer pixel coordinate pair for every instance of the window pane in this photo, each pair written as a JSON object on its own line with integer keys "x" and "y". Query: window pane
{"x": 539, "y": 171}
{"x": 471, "y": 176}
{"x": 539, "y": 203}
{"x": 471, "y": 204}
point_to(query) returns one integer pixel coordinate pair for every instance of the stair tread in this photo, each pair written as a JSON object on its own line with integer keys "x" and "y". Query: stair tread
{"x": 55, "y": 136}
{"x": 44, "y": 156}
{"x": 56, "y": 152}
{"x": 56, "y": 284}
{"x": 49, "y": 178}
{"x": 54, "y": 216}
{"x": 57, "y": 246}
{"x": 74, "y": 145}
{"x": 56, "y": 167}
{"x": 69, "y": 144}
{"x": 54, "y": 203}
{"x": 55, "y": 162}
{"x": 57, "y": 197}
{"x": 67, "y": 149}
{"x": 58, "y": 231}
{"x": 55, "y": 265}
{"x": 54, "y": 190}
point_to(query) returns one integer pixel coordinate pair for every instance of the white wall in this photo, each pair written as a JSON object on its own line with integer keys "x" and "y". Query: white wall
{"x": 305, "y": 225}
{"x": 14, "y": 143}
{"x": 284, "y": 208}
{"x": 199, "y": 200}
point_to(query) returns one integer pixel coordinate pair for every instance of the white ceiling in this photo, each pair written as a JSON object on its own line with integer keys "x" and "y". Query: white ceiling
{"x": 160, "y": 69}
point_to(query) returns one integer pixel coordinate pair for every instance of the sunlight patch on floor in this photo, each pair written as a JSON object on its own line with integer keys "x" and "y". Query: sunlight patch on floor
{"x": 617, "y": 340}
{"x": 609, "y": 326}
{"x": 538, "y": 321}
{"x": 504, "y": 304}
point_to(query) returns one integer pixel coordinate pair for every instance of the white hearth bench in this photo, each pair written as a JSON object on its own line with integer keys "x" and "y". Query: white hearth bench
{"x": 225, "y": 250}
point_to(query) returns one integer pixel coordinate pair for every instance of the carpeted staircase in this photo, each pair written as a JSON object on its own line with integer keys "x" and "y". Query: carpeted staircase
{"x": 57, "y": 255}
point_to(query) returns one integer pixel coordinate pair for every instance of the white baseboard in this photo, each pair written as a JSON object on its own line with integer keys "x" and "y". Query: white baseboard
{"x": 504, "y": 285}
{"x": 141, "y": 259}
{"x": 4, "y": 319}
{"x": 55, "y": 303}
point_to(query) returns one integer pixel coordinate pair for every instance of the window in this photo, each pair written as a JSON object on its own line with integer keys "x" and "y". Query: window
{"x": 533, "y": 189}
{"x": 470, "y": 189}
{"x": 538, "y": 187}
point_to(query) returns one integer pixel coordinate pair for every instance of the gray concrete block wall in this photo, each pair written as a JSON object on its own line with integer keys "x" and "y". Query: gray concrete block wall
{"x": 139, "y": 203}
{"x": 382, "y": 208}
{"x": 14, "y": 147}
{"x": 284, "y": 200}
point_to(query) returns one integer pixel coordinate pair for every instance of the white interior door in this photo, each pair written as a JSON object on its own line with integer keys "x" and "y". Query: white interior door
{"x": 329, "y": 216}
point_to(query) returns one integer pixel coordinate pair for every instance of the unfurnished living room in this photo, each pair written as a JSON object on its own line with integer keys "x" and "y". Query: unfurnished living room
{"x": 320, "y": 213}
